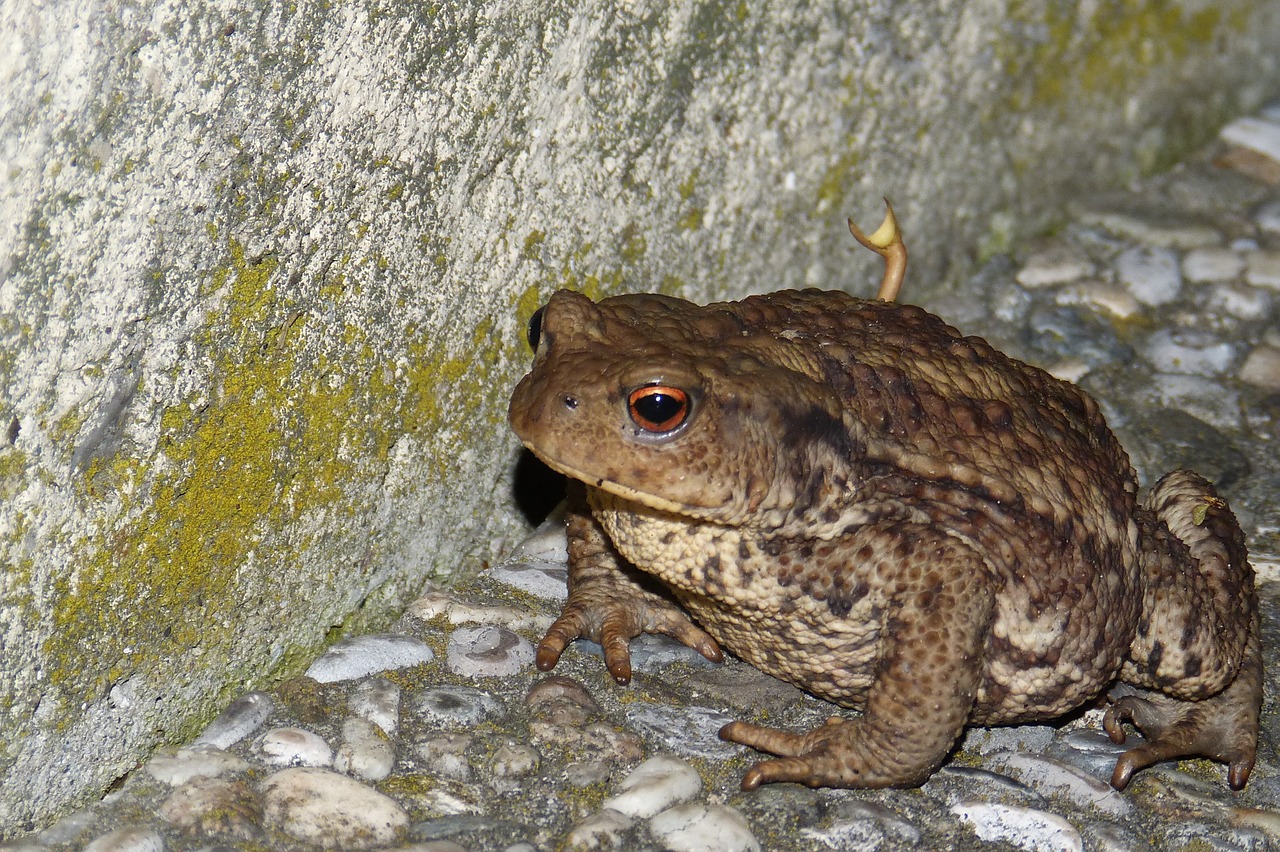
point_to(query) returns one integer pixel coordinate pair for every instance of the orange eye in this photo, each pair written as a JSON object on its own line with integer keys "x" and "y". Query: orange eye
{"x": 658, "y": 408}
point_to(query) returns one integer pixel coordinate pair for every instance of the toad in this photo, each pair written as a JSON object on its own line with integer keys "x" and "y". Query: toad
{"x": 853, "y": 497}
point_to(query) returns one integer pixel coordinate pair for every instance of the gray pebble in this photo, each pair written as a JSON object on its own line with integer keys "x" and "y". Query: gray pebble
{"x": 241, "y": 718}
{"x": 1050, "y": 777}
{"x": 546, "y": 580}
{"x": 361, "y": 656}
{"x": 1191, "y": 351}
{"x": 1152, "y": 275}
{"x": 377, "y": 700}
{"x": 690, "y": 730}
{"x": 488, "y": 651}
{"x": 455, "y": 706}
{"x": 1009, "y": 738}
{"x": 513, "y": 760}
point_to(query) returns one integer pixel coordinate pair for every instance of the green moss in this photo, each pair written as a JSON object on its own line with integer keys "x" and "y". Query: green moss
{"x": 530, "y": 251}
{"x": 1101, "y": 55}
{"x": 831, "y": 188}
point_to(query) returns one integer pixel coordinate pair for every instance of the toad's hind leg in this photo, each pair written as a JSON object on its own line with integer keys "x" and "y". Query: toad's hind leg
{"x": 939, "y": 601}
{"x": 1197, "y": 645}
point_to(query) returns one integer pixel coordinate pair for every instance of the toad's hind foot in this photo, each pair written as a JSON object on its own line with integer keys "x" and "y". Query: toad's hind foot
{"x": 1223, "y": 728}
{"x": 834, "y": 755}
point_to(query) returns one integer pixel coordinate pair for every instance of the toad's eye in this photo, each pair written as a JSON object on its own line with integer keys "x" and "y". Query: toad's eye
{"x": 534, "y": 333}
{"x": 658, "y": 408}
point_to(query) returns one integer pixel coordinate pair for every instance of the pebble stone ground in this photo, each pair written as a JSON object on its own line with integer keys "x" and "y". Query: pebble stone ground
{"x": 441, "y": 735}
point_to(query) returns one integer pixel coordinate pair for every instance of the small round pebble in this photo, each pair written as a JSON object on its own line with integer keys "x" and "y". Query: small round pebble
{"x": 446, "y": 755}
{"x": 1025, "y": 828}
{"x": 1263, "y": 269}
{"x": 654, "y": 786}
{"x": 1151, "y": 275}
{"x": 455, "y": 706}
{"x": 130, "y": 838}
{"x": 365, "y": 751}
{"x": 241, "y": 718}
{"x": 1212, "y": 264}
{"x": 360, "y": 656}
{"x": 377, "y": 700}
{"x": 514, "y": 760}
{"x": 331, "y": 810}
{"x": 294, "y": 747}
{"x": 488, "y": 651}
{"x": 602, "y": 830}
{"x": 700, "y": 827}
{"x": 1261, "y": 368}
{"x": 1059, "y": 264}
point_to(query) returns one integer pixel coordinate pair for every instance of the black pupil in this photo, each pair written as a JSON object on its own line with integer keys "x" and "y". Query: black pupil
{"x": 535, "y": 328}
{"x": 658, "y": 407}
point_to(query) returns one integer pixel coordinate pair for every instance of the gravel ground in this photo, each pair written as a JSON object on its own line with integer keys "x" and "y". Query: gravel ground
{"x": 1161, "y": 301}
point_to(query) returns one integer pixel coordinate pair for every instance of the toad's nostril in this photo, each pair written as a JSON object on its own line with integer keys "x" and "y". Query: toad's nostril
{"x": 570, "y": 402}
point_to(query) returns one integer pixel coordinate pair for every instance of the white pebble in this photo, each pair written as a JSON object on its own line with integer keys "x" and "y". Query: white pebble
{"x": 514, "y": 760}
{"x": 365, "y": 655}
{"x": 131, "y": 838}
{"x": 1188, "y": 351}
{"x": 1022, "y": 827}
{"x": 456, "y": 706}
{"x": 488, "y": 652}
{"x": 241, "y": 718}
{"x": 1200, "y": 396}
{"x": 331, "y": 810}
{"x": 435, "y": 604}
{"x": 1263, "y": 269}
{"x": 194, "y": 762}
{"x": 1115, "y": 300}
{"x": 1056, "y": 265}
{"x": 703, "y": 828}
{"x": 364, "y": 752}
{"x": 1150, "y": 274}
{"x": 601, "y": 830}
{"x": 1050, "y": 777}
{"x": 294, "y": 747}
{"x": 1211, "y": 264}
{"x": 214, "y": 806}
{"x": 1240, "y": 300}
{"x": 654, "y": 786}
{"x": 377, "y": 700}
{"x": 1256, "y": 134}
{"x": 446, "y": 754}
{"x": 546, "y": 580}
{"x": 1262, "y": 368}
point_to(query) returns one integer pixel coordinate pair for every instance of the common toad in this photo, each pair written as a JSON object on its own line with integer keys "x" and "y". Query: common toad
{"x": 852, "y": 496}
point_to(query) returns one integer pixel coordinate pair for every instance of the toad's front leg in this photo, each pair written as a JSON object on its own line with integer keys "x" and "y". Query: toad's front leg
{"x": 608, "y": 603}
{"x": 940, "y": 600}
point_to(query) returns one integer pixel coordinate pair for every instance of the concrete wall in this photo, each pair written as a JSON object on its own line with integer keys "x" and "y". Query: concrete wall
{"x": 265, "y": 268}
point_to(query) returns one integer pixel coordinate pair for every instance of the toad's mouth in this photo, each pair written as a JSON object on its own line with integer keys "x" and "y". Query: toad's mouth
{"x": 626, "y": 492}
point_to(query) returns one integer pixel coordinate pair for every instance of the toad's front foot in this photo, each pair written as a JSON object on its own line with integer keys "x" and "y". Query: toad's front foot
{"x": 613, "y": 622}
{"x": 834, "y": 755}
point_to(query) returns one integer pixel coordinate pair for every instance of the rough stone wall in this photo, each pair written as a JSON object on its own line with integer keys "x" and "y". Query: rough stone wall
{"x": 265, "y": 267}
